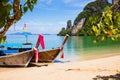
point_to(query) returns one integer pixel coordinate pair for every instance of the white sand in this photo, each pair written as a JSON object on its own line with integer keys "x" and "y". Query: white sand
{"x": 76, "y": 70}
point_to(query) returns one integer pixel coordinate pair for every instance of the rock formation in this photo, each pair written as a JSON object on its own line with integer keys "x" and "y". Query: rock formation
{"x": 69, "y": 24}
{"x": 78, "y": 26}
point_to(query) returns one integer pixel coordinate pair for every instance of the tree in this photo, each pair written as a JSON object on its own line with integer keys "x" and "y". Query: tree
{"x": 11, "y": 11}
{"x": 108, "y": 26}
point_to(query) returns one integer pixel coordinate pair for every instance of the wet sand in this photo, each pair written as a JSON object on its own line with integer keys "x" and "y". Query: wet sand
{"x": 74, "y": 70}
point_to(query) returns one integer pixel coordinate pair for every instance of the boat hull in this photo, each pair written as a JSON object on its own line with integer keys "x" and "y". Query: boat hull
{"x": 48, "y": 55}
{"x": 21, "y": 59}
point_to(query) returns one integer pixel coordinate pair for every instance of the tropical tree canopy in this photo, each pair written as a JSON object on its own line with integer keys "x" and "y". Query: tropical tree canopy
{"x": 11, "y": 11}
{"x": 108, "y": 25}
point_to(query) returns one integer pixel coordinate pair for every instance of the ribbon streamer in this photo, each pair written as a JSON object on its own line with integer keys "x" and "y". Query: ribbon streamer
{"x": 41, "y": 41}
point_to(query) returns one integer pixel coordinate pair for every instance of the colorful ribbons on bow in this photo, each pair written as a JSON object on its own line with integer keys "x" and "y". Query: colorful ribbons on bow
{"x": 41, "y": 42}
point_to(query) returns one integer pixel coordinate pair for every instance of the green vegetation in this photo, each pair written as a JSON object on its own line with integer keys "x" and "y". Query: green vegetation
{"x": 68, "y": 30}
{"x": 63, "y": 32}
{"x": 92, "y": 12}
{"x": 108, "y": 25}
{"x": 103, "y": 24}
{"x": 92, "y": 9}
{"x": 102, "y": 20}
{"x": 11, "y": 11}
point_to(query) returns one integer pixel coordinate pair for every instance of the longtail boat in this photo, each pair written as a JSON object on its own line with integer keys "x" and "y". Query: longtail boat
{"x": 47, "y": 55}
{"x": 50, "y": 55}
{"x": 16, "y": 56}
{"x": 12, "y": 54}
{"x": 21, "y": 59}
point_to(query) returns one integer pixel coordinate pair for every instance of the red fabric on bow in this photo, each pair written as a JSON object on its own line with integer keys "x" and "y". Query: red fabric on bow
{"x": 62, "y": 53}
{"x": 41, "y": 41}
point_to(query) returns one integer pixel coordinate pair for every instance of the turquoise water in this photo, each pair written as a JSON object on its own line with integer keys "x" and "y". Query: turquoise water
{"x": 75, "y": 48}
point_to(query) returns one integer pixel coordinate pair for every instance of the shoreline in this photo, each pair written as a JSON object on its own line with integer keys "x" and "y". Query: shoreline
{"x": 74, "y": 70}
{"x": 98, "y": 56}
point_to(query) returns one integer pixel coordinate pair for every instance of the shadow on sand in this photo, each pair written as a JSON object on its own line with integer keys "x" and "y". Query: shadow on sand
{"x": 110, "y": 77}
{"x": 33, "y": 64}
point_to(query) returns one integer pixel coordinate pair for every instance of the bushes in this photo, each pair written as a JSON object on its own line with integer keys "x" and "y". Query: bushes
{"x": 64, "y": 32}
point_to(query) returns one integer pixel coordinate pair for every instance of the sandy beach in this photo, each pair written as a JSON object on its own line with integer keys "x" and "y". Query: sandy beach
{"x": 75, "y": 70}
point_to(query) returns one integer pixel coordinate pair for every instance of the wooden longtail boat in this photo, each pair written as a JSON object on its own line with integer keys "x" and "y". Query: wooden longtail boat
{"x": 21, "y": 59}
{"x": 50, "y": 55}
{"x": 12, "y": 55}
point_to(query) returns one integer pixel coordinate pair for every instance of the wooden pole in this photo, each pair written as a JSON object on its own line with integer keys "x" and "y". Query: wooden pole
{"x": 64, "y": 41}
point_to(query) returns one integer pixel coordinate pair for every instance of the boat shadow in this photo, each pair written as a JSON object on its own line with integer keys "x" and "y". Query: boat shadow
{"x": 33, "y": 64}
{"x": 60, "y": 61}
{"x": 30, "y": 65}
{"x": 41, "y": 64}
{"x": 37, "y": 64}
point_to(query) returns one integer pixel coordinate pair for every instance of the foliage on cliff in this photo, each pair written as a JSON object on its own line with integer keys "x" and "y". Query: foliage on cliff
{"x": 105, "y": 25}
{"x": 92, "y": 9}
{"x": 63, "y": 32}
{"x": 92, "y": 12}
{"x": 68, "y": 29}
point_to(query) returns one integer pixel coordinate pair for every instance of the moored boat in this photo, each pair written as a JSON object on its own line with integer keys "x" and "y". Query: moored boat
{"x": 16, "y": 54}
{"x": 49, "y": 55}
{"x": 21, "y": 59}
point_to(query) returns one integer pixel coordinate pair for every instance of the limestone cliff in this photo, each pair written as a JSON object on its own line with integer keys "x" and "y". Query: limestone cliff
{"x": 91, "y": 9}
{"x": 78, "y": 26}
